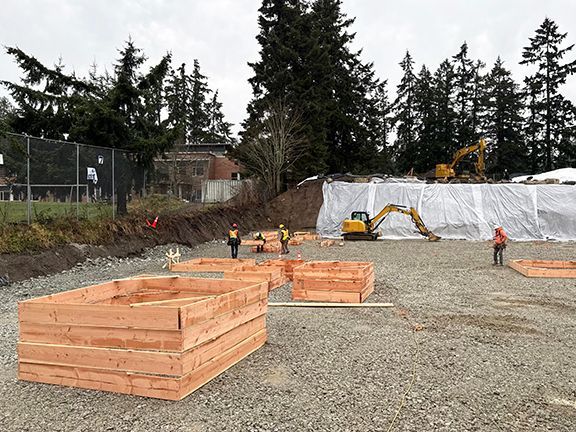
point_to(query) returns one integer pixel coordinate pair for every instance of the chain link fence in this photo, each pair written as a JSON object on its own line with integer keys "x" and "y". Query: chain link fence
{"x": 42, "y": 179}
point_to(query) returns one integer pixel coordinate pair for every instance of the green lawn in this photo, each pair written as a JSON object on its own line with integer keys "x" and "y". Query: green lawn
{"x": 15, "y": 211}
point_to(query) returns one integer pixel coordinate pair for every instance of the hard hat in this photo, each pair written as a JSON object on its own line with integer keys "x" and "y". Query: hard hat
{"x": 234, "y": 225}
{"x": 281, "y": 225}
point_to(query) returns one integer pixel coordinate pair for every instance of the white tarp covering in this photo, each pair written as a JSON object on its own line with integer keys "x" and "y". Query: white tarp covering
{"x": 562, "y": 175}
{"x": 456, "y": 211}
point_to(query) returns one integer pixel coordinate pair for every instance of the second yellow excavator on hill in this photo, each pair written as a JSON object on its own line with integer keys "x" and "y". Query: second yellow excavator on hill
{"x": 361, "y": 227}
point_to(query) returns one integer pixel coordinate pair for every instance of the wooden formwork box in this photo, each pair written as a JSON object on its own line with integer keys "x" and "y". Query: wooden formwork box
{"x": 333, "y": 281}
{"x": 160, "y": 337}
{"x": 287, "y": 265}
{"x": 270, "y": 247}
{"x": 207, "y": 265}
{"x": 545, "y": 268}
{"x": 274, "y": 276}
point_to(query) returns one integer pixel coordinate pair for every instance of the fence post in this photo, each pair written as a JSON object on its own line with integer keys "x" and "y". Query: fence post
{"x": 77, "y": 181}
{"x": 113, "y": 189}
{"x": 28, "y": 188}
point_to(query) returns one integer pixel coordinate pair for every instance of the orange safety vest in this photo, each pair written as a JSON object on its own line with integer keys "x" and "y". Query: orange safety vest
{"x": 233, "y": 234}
{"x": 500, "y": 236}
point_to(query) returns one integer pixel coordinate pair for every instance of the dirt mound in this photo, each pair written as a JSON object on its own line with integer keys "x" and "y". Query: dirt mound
{"x": 297, "y": 208}
{"x": 130, "y": 236}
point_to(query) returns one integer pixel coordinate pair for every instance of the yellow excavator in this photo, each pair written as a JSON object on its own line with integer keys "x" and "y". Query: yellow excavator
{"x": 361, "y": 227}
{"x": 448, "y": 170}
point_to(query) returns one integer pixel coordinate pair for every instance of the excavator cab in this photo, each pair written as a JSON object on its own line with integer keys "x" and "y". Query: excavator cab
{"x": 360, "y": 216}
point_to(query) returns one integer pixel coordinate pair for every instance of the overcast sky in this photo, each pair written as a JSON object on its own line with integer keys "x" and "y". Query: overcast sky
{"x": 221, "y": 34}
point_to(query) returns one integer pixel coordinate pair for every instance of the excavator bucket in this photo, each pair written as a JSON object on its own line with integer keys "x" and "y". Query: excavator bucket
{"x": 433, "y": 237}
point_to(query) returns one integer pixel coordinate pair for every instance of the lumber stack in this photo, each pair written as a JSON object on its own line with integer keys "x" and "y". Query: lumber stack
{"x": 160, "y": 337}
{"x": 252, "y": 242}
{"x": 295, "y": 241}
{"x": 207, "y": 265}
{"x": 287, "y": 265}
{"x": 270, "y": 247}
{"x": 333, "y": 281}
{"x": 545, "y": 268}
{"x": 306, "y": 235}
{"x": 273, "y": 276}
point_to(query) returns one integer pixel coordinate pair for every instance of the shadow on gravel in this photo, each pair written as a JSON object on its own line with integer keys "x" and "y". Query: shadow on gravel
{"x": 496, "y": 323}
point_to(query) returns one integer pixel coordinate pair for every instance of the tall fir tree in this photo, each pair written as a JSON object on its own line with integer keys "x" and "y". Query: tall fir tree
{"x": 198, "y": 119}
{"x": 218, "y": 128}
{"x": 464, "y": 71}
{"x": 406, "y": 144}
{"x": 426, "y": 122}
{"x": 503, "y": 123}
{"x": 446, "y": 120}
{"x": 178, "y": 97}
{"x": 549, "y": 112}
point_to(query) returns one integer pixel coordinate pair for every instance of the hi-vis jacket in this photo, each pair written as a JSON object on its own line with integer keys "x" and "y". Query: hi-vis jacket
{"x": 500, "y": 237}
{"x": 284, "y": 234}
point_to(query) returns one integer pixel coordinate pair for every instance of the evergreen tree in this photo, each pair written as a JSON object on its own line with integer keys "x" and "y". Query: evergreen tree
{"x": 503, "y": 122}
{"x": 548, "y": 113}
{"x": 380, "y": 123}
{"x": 178, "y": 97}
{"x": 426, "y": 122}
{"x": 198, "y": 118}
{"x": 218, "y": 128}
{"x": 406, "y": 144}
{"x": 6, "y": 112}
{"x": 446, "y": 117}
{"x": 464, "y": 89}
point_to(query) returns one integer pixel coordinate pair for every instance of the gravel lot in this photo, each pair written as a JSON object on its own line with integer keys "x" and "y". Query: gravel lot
{"x": 494, "y": 351}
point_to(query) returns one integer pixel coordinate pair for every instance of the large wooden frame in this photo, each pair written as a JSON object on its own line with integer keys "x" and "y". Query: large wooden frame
{"x": 207, "y": 265}
{"x": 286, "y": 264}
{"x": 333, "y": 281}
{"x": 545, "y": 268}
{"x": 160, "y": 337}
{"x": 274, "y": 276}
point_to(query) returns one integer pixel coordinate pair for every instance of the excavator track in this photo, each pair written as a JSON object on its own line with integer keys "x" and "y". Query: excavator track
{"x": 360, "y": 236}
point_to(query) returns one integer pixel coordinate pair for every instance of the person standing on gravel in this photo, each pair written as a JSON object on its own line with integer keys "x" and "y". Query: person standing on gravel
{"x": 284, "y": 237}
{"x": 500, "y": 239}
{"x": 234, "y": 240}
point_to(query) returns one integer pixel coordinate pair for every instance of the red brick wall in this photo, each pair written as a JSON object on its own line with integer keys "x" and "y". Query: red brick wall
{"x": 222, "y": 168}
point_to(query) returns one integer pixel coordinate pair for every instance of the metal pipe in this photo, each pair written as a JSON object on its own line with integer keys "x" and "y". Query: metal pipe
{"x": 77, "y": 181}
{"x": 28, "y": 188}
{"x": 113, "y": 189}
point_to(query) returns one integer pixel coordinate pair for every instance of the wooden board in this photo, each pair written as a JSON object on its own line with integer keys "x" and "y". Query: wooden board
{"x": 105, "y": 337}
{"x": 151, "y": 317}
{"x": 211, "y": 264}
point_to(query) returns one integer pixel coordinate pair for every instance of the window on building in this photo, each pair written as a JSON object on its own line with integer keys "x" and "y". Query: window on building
{"x": 198, "y": 168}
{"x": 235, "y": 176}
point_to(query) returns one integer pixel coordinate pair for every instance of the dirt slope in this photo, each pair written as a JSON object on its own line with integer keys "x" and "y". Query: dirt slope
{"x": 297, "y": 208}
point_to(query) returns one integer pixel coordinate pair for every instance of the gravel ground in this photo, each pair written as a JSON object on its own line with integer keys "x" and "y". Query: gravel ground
{"x": 474, "y": 347}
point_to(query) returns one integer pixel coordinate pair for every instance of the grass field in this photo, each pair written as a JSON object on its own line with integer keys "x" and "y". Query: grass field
{"x": 15, "y": 211}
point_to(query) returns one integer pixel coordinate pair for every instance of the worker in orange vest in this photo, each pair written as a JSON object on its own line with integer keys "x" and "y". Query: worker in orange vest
{"x": 234, "y": 240}
{"x": 500, "y": 239}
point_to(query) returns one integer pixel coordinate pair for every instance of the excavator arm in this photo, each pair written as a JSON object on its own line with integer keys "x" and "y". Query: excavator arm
{"x": 412, "y": 212}
{"x": 463, "y": 152}
{"x": 448, "y": 170}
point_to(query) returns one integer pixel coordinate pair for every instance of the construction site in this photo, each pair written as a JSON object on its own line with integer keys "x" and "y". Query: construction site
{"x": 413, "y": 331}
{"x": 278, "y": 216}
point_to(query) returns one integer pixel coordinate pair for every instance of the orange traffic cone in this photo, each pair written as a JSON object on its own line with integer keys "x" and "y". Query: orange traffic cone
{"x": 299, "y": 255}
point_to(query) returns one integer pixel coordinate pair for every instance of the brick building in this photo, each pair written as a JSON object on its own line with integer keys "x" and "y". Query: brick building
{"x": 184, "y": 171}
